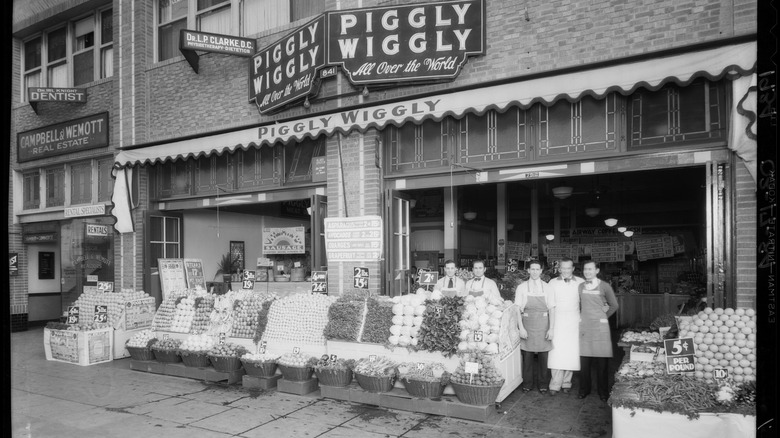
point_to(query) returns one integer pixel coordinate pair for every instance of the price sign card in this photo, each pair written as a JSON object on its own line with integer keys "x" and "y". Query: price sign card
{"x": 680, "y": 355}
{"x": 296, "y": 350}
{"x": 73, "y": 314}
{"x": 471, "y": 368}
{"x": 478, "y": 337}
{"x": 101, "y": 313}
{"x": 105, "y": 286}
{"x": 428, "y": 278}
{"x": 319, "y": 282}
{"x": 360, "y": 277}
{"x": 248, "y": 280}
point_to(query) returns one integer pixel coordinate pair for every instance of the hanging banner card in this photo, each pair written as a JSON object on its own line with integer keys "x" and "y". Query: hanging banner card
{"x": 654, "y": 248}
{"x": 354, "y": 238}
{"x": 422, "y": 41}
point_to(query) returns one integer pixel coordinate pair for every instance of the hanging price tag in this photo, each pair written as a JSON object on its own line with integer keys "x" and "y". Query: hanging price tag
{"x": 478, "y": 336}
{"x": 296, "y": 350}
{"x": 372, "y": 358}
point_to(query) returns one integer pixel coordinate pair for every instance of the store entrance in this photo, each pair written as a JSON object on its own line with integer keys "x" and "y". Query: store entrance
{"x": 657, "y": 244}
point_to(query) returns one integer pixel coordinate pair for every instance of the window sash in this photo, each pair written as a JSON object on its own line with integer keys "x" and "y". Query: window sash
{"x": 81, "y": 183}
{"x": 105, "y": 180}
{"x": 260, "y": 15}
{"x": 55, "y": 187}
{"x": 31, "y": 186}
{"x": 215, "y": 20}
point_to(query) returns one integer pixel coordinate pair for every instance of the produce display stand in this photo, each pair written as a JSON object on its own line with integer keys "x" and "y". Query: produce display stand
{"x": 638, "y": 423}
{"x": 447, "y": 405}
{"x": 79, "y": 347}
{"x": 298, "y": 388}
{"x": 136, "y": 316}
{"x": 208, "y": 374}
{"x": 257, "y": 382}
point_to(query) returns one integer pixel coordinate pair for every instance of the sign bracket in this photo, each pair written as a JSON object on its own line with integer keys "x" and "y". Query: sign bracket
{"x": 192, "y": 58}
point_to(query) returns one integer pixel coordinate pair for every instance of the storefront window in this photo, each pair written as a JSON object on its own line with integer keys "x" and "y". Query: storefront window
{"x": 32, "y": 190}
{"x": 493, "y": 136}
{"x": 213, "y": 172}
{"x": 105, "y": 181}
{"x": 81, "y": 183}
{"x": 87, "y": 250}
{"x": 418, "y": 146}
{"x": 164, "y": 238}
{"x": 55, "y": 187}
{"x": 674, "y": 114}
{"x": 298, "y": 158}
{"x": 587, "y": 125}
{"x": 255, "y": 167}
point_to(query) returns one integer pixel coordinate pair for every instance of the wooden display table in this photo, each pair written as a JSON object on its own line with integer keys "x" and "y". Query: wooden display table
{"x": 178, "y": 369}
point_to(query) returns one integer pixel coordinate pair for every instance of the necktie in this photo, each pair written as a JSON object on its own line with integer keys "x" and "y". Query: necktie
{"x": 451, "y": 285}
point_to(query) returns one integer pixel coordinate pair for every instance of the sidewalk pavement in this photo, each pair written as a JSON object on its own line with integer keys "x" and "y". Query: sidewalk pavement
{"x": 56, "y": 399}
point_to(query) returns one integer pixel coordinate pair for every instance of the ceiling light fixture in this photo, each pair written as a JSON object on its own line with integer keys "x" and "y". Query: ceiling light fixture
{"x": 550, "y": 237}
{"x": 412, "y": 203}
{"x": 628, "y": 233}
{"x": 611, "y": 222}
{"x": 470, "y": 215}
{"x": 621, "y": 229}
{"x": 562, "y": 192}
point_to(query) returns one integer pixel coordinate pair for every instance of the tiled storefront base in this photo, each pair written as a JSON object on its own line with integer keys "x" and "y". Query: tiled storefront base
{"x": 18, "y": 322}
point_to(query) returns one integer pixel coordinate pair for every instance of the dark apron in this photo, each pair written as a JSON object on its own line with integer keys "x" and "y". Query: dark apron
{"x": 536, "y": 320}
{"x": 595, "y": 339}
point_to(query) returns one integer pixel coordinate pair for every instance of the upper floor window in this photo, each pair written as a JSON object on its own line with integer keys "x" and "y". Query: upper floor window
{"x": 68, "y": 184}
{"x": 67, "y": 56}
{"x": 227, "y": 17}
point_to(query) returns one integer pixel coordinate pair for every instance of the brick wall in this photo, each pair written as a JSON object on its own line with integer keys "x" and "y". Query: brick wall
{"x": 745, "y": 230}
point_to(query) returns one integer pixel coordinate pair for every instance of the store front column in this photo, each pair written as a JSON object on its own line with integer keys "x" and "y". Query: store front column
{"x": 501, "y": 234}
{"x": 450, "y": 223}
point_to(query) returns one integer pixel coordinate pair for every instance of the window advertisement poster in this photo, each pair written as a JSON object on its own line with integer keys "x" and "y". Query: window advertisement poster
{"x": 194, "y": 274}
{"x": 172, "y": 276}
{"x": 291, "y": 240}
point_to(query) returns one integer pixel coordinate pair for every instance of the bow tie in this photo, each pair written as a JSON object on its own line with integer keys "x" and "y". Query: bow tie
{"x": 590, "y": 282}
{"x": 567, "y": 279}
{"x": 478, "y": 278}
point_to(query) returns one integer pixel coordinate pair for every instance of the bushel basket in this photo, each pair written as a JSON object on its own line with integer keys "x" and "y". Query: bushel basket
{"x": 140, "y": 353}
{"x": 195, "y": 359}
{"x": 423, "y": 388}
{"x": 259, "y": 369}
{"x": 225, "y": 364}
{"x": 374, "y": 383}
{"x": 296, "y": 374}
{"x": 479, "y": 395}
{"x": 334, "y": 377}
{"x": 167, "y": 356}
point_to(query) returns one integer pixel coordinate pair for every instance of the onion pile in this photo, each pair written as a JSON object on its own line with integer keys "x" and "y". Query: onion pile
{"x": 298, "y": 318}
{"x": 724, "y": 339}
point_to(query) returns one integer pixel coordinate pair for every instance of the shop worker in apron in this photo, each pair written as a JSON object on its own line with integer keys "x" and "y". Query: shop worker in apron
{"x": 597, "y": 303}
{"x": 536, "y": 304}
{"x": 451, "y": 285}
{"x": 564, "y": 358}
{"x": 481, "y": 285}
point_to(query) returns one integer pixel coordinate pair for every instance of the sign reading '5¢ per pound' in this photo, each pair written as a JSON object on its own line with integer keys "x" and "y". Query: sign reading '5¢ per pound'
{"x": 360, "y": 277}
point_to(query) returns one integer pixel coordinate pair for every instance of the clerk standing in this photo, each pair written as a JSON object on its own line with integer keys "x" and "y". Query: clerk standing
{"x": 451, "y": 285}
{"x": 481, "y": 285}
{"x": 564, "y": 358}
{"x": 536, "y": 304}
{"x": 598, "y": 303}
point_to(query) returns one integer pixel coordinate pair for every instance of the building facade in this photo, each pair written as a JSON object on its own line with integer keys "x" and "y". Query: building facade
{"x": 636, "y": 107}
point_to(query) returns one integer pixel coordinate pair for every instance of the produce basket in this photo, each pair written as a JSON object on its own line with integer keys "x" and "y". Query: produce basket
{"x": 375, "y": 383}
{"x": 259, "y": 369}
{"x": 197, "y": 359}
{"x": 476, "y": 394}
{"x": 225, "y": 364}
{"x": 296, "y": 374}
{"x": 140, "y": 353}
{"x": 334, "y": 377}
{"x": 423, "y": 388}
{"x": 167, "y": 356}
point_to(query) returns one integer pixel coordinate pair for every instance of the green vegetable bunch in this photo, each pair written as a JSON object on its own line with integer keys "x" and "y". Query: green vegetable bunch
{"x": 379, "y": 367}
{"x": 440, "y": 327}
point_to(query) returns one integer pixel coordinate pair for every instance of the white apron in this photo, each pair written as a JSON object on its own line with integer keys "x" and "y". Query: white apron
{"x": 565, "y": 354}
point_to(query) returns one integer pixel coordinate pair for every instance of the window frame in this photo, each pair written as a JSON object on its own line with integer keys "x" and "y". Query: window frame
{"x": 46, "y": 65}
{"x": 64, "y": 197}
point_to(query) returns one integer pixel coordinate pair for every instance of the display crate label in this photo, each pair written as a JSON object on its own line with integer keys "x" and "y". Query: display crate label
{"x": 64, "y": 345}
